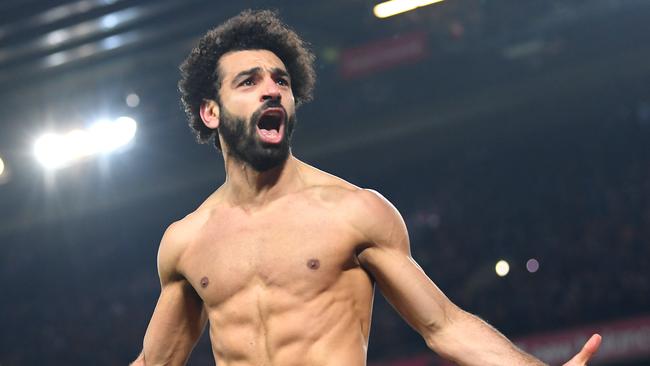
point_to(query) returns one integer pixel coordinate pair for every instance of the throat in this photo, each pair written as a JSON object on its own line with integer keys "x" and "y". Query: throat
{"x": 248, "y": 187}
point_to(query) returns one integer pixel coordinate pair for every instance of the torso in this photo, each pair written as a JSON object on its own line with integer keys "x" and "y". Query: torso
{"x": 281, "y": 285}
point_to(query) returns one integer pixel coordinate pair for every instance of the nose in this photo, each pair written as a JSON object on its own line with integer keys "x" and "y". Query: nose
{"x": 271, "y": 90}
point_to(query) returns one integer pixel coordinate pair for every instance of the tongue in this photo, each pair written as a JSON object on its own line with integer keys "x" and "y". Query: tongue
{"x": 270, "y": 136}
{"x": 269, "y": 133}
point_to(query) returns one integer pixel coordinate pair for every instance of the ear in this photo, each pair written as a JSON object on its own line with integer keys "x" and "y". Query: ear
{"x": 209, "y": 111}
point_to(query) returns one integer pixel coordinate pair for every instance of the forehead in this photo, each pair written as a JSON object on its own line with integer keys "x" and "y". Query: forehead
{"x": 235, "y": 61}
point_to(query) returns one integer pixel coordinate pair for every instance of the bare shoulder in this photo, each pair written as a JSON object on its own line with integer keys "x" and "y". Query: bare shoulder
{"x": 181, "y": 232}
{"x": 378, "y": 223}
{"x": 366, "y": 210}
{"x": 368, "y": 201}
{"x": 328, "y": 187}
{"x": 175, "y": 241}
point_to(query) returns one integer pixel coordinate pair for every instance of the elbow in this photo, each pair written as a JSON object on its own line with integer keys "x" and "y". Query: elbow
{"x": 434, "y": 343}
{"x": 434, "y": 334}
{"x": 444, "y": 346}
{"x": 442, "y": 336}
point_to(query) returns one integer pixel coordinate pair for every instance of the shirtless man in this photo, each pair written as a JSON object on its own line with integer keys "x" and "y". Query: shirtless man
{"x": 282, "y": 259}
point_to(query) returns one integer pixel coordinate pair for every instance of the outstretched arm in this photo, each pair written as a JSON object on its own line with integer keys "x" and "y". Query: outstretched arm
{"x": 178, "y": 319}
{"x": 448, "y": 330}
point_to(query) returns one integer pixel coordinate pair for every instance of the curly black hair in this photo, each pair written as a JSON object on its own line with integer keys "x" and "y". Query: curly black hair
{"x": 251, "y": 29}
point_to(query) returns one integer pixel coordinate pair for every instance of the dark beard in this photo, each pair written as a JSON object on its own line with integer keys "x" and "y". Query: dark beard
{"x": 240, "y": 136}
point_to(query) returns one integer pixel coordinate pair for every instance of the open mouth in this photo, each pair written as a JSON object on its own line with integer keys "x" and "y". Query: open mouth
{"x": 270, "y": 125}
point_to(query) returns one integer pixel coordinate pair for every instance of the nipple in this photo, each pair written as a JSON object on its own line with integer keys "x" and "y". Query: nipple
{"x": 313, "y": 264}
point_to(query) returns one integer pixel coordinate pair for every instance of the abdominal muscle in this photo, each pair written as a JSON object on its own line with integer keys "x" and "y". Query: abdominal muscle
{"x": 262, "y": 326}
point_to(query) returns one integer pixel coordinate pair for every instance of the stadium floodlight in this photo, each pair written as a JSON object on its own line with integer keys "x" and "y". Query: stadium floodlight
{"x": 394, "y": 7}
{"x": 109, "y": 136}
{"x": 59, "y": 150}
{"x": 50, "y": 151}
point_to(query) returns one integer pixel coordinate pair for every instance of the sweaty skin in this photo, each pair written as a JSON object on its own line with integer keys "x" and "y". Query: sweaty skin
{"x": 282, "y": 264}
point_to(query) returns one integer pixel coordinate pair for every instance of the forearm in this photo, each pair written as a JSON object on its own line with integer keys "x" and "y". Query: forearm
{"x": 468, "y": 340}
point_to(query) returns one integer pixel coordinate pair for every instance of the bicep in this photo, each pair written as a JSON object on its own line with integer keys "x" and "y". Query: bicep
{"x": 179, "y": 317}
{"x": 176, "y": 324}
{"x": 401, "y": 280}
{"x": 408, "y": 289}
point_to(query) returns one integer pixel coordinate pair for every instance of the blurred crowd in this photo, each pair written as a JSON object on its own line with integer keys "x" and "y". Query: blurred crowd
{"x": 582, "y": 210}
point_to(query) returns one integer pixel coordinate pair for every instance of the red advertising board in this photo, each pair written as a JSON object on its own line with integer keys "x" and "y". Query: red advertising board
{"x": 383, "y": 54}
{"x": 622, "y": 340}
{"x": 627, "y": 339}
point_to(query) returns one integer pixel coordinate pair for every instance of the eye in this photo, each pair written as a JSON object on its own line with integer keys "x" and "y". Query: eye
{"x": 282, "y": 81}
{"x": 247, "y": 82}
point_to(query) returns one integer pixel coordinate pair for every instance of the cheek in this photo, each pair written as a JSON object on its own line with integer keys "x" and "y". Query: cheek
{"x": 240, "y": 106}
{"x": 290, "y": 105}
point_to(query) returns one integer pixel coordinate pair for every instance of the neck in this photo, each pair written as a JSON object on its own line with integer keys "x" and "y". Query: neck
{"x": 245, "y": 186}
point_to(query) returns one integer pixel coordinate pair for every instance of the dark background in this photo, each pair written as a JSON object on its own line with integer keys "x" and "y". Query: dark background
{"x": 523, "y": 134}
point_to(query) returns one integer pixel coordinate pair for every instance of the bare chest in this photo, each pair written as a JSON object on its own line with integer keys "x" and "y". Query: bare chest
{"x": 299, "y": 250}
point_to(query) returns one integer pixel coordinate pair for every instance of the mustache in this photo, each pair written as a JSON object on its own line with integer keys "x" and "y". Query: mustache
{"x": 269, "y": 103}
{"x": 272, "y": 103}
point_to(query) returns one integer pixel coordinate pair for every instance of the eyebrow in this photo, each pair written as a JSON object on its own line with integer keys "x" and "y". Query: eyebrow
{"x": 280, "y": 72}
{"x": 252, "y": 71}
{"x": 248, "y": 72}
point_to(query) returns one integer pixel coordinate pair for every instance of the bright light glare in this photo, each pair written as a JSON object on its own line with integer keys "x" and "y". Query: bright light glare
{"x": 56, "y": 151}
{"x": 108, "y": 136}
{"x": 50, "y": 151}
{"x": 502, "y": 268}
{"x": 2, "y": 166}
{"x": 78, "y": 144}
{"x": 394, "y": 7}
{"x": 125, "y": 130}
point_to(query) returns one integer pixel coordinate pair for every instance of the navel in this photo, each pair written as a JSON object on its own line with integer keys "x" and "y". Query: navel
{"x": 313, "y": 264}
{"x": 204, "y": 282}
